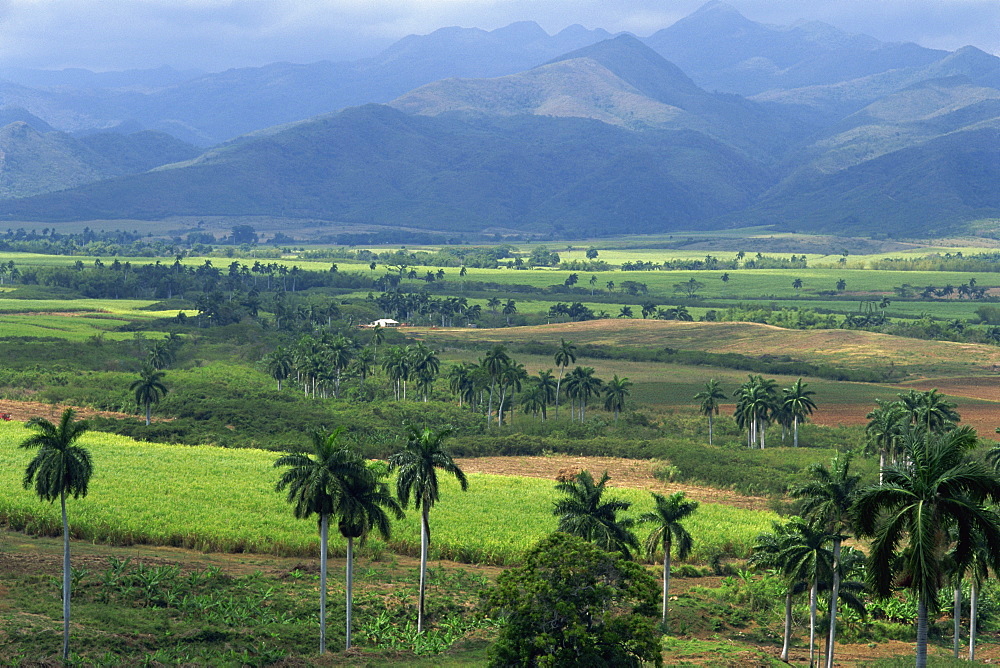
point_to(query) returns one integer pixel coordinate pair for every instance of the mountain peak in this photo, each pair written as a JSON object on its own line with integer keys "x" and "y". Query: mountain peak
{"x": 638, "y": 65}
{"x": 522, "y": 32}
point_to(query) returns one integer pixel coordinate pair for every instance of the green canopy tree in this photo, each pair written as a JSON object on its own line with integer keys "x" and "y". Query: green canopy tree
{"x": 931, "y": 501}
{"x": 148, "y": 389}
{"x": 417, "y": 465}
{"x": 316, "y": 482}
{"x": 59, "y": 469}
{"x": 572, "y": 604}
{"x": 666, "y": 518}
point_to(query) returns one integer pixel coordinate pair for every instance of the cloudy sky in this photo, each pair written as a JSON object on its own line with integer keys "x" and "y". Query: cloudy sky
{"x": 217, "y": 34}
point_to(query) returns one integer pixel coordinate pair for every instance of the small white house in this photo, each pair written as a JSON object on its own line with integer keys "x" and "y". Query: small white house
{"x": 383, "y": 322}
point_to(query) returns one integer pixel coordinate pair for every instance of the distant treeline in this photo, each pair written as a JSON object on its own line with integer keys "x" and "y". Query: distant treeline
{"x": 769, "y": 364}
{"x": 988, "y": 262}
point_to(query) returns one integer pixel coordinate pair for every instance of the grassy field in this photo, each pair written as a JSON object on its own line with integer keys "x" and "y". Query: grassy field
{"x": 214, "y": 499}
{"x": 839, "y": 348}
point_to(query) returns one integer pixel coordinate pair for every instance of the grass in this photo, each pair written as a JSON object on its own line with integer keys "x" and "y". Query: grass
{"x": 838, "y": 348}
{"x": 209, "y": 498}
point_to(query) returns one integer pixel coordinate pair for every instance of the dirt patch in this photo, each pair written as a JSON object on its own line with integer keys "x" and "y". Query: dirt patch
{"x": 984, "y": 418}
{"x": 22, "y": 411}
{"x": 633, "y": 473}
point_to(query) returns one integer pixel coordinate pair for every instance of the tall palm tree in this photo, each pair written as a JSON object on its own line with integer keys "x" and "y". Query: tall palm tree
{"x": 799, "y": 404}
{"x": 710, "y": 398}
{"x": 316, "y": 483}
{"x": 548, "y": 385}
{"x": 828, "y": 499}
{"x": 417, "y": 465}
{"x": 361, "y": 508}
{"x": 755, "y": 407}
{"x": 615, "y": 393}
{"x": 805, "y": 557}
{"x": 378, "y": 336}
{"x": 768, "y": 551}
{"x": 495, "y": 361}
{"x": 533, "y": 400}
{"x": 583, "y": 384}
{"x": 932, "y": 500}
{"x": 161, "y": 355}
{"x": 887, "y": 423}
{"x": 668, "y": 531}
{"x": 149, "y": 389}
{"x": 509, "y": 309}
{"x": 397, "y": 365}
{"x": 585, "y": 513}
{"x": 565, "y": 355}
{"x": 60, "y": 468}
{"x": 279, "y": 365}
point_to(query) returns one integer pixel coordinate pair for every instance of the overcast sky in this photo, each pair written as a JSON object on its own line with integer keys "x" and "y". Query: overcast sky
{"x": 215, "y": 35}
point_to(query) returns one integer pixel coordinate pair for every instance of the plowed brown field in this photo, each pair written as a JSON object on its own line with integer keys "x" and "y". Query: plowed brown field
{"x": 637, "y": 474}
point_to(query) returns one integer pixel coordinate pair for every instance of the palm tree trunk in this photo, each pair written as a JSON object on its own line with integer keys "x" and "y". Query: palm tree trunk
{"x": 666, "y": 583}
{"x": 812, "y": 622}
{"x": 324, "y": 526}
{"x": 710, "y": 429}
{"x": 921, "y": 633}
{"x": 424, "y": 534}
{"x": 973, "y": 611}
{"x": 957, "y": 622}
{"x": 350, "y": 587}
{"x": 788, "y": 625}
{"x": 881, "y": 464}
{"x": 66, "y": 577}
{"x": 834, "y": 593}
{"x": 558, "y": 385}
{"x": 149, "y": 408}
{"x": 795, "y": 435}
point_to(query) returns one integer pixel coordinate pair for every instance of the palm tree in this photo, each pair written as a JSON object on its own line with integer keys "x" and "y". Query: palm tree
{"x": 828, "y": 499}
{"x": 806, "y": 558}
{"x": 161, "y": 355}
{"x": 615, "y": 393}
{"x": 495, "y": 361}
{"x": 60, "y": 468}
{"x": 397, "y": 365}
{"x": 797, "y": 400}
{"x": 936, "y": 493}
{"x": 509, "y": 309}
{"x": 360, "y": 509}
{"x": 584, "y": 513}
{"x": 709, "y": 398}
{"x": 418, "y": 465}
{"x": 548, "y": 384}
{"x": 755, "y": 408}
{"x": 316, "y": 484}
{"x": 565, "y": 355}
{"x": 768, "y": 551}
{"x": 378, "y": 336}
{"x": 279, "y": 365}
{"x": 667, "y": 528}
{"x": 533, "y": 400}
{"x": 149, "y": 389}
{"x": 583, "y": 384}
{"x": 886, "y": 425}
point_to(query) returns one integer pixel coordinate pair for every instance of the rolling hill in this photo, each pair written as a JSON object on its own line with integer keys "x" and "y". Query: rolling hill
{"x": 608, "y": 136}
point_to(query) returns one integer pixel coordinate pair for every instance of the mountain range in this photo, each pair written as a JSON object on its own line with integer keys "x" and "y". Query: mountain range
{"x": 712, "y": 122}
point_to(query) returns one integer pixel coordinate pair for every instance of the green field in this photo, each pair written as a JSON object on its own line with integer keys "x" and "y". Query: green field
{"x": 214, "y": 499}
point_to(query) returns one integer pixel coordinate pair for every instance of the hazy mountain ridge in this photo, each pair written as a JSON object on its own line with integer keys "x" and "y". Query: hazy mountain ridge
{"x": 608, "y": 135}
